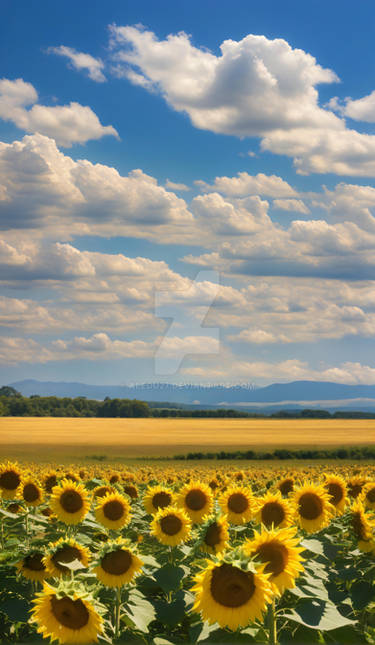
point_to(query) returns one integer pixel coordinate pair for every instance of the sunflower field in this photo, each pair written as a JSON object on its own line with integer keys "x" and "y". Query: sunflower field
{"x": 164, "y": 555}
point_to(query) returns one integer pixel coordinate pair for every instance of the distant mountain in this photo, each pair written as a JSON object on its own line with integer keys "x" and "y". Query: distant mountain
{"x": 296, "y": 394}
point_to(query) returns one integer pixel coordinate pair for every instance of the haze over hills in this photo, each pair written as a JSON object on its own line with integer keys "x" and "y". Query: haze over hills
{"x": 296, "y": 395}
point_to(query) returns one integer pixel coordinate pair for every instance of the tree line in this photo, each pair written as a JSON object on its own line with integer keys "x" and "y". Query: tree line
{"x": 12, "y": 403}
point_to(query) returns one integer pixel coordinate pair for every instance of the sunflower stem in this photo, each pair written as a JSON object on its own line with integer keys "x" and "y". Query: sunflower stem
{"x": 117, "y": 612}
{"x": 272, "y": 627}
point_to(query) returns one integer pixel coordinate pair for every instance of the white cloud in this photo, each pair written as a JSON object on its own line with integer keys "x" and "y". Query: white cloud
{"x": 99, "y": 346}
{"x": 362, "y": 109}
{"x": 284, "y": 371}
{"x": 171, "y": 185}
{"x": 255, "y": 87}
{"x": 43, "y": 188}
{"x": 294, "y": 205}
{"x": 67, "y": 124}
{"x": 225, "y": 217}
{"x": 244, "y": 184}
{"x": 81, "y": 61}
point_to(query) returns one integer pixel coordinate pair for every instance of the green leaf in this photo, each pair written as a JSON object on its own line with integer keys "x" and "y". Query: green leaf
{"x": 141, "y": 612}
{"x": 318, "y": 614}
{"x": 173, "y": 612}
{"x": 17, "y": 609}
{"x": 315, "y": 546}
{"x": 361, "y": 593}
{"x": 74, "y": 565}
{"x": 169, "y": 577}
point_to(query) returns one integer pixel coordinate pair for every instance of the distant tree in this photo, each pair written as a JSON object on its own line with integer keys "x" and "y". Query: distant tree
{"x": 7, "y": 390}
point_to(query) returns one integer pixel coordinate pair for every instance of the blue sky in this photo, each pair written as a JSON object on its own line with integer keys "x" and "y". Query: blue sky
{"x": 187, "y": 191}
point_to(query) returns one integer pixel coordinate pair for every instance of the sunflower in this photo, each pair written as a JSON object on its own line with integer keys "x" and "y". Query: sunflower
{"x": 237, "y": 504}
{"x": 278, "y": 549}
{"x": 131, "y": 490}
{"x": 355, "y": 485}
{"x": 117, "y": 564}
{"x": 231, "y": 595}
{"x": 285, "y": 486}
{"x": 272, "y": 510}
{"x": 157, "y": 497}
{"x": 113, "y": 511}
{"x": 31, "y": 492}
{"x": 336, "y": 487}
{"x": 32, "y": 566}
{"x": 313, "y": 510}
{"x": 197, "y": 500}
{"x": 49, "y": 481}
{"x": 363, "y": 527}
{"x": 367, "y": 495}
{"x": 214, "y": 536}
{"x": 66, "y": 614}
{"x": 171, "y": 526}
{"x": 10, "y": 480}
{"x": 100, "y": 491}
{"x": 69, "y": 502}
{"x": 63, "y": 552}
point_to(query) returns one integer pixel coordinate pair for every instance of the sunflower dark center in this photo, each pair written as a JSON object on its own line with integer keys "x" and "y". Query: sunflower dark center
{"x": 213, "y": 533}
{"x": 195, "y": 499}
{"x": 370, "y": 495}
{"x": 354, "y": 489}
{"x": 213, "y": 484}
{"x": 231, "y": 587}
{"x": 116, "y": 562}
{"x": 161, "y": 499}
{"x": 13, "y": 508}
{"x": 30, "y": 493}
{"x": 131, "y": 491}
{"x": 272, "y": 513}
{"x": 103, "y": 490}
{"x": 71, "y": 477}
{"x": 10, "y": 480}
{"x": 46, "y": 512}
{"x": 310, "y": 506}
{"x": 237, "y": 503}
{"x": 34, "y": 562}
{"x": 50, "y": 482}
{"x": 336, "y": 493}
{"x": 113, "y": 510}
{"x": 358, "y": 526}
{"x": 286, "y": 486}
{"x": 170, "y": 524}
{"x": 66, "y": 554}
{"x": 70, "y": 613}
{"x": 113, "y": 479}
{"x": 71, "y": 501}
{"x": 276, "y": 556}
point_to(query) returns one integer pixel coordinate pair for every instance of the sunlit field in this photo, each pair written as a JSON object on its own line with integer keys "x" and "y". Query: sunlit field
{"x": 43, "y": 439}
{"x": 154, "y": 555}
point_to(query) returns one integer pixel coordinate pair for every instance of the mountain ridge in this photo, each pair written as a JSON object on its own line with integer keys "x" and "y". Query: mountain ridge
{"x": 315, "y": 392}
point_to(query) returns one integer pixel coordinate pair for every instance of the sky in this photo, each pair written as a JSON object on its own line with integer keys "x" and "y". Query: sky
{"x": 187, "y": 191}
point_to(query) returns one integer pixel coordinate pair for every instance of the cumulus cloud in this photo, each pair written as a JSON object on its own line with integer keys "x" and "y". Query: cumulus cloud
{"x": 67, "y": 124}
{"x": 81, "y": 61}
{"x": 171, "y": 185}
{"x": 244, "y": 184}
{"x": 255, "y": 87}
{"x": 294, "y": 205}
{"x": 362, "y": 109}
{"x": 285, "y": 371}
{"x": 224, "y": 217}
{"x": 100, "y": 347}
{"x": 42, "y": 187}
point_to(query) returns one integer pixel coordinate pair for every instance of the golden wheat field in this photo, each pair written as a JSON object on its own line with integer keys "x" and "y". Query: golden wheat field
{"x": 47, "y": 438}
